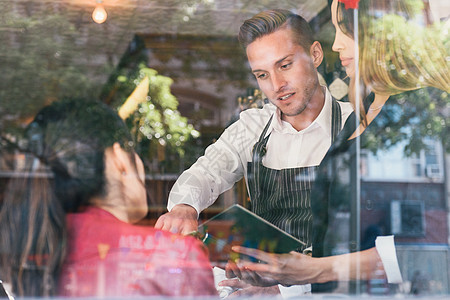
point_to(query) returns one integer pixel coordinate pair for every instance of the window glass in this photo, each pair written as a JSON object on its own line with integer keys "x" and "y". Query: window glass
{"x": 104, "y": 105}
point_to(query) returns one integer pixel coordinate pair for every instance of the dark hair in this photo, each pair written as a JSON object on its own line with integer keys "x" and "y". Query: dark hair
{"x": 69, "y": 138}
{"x": 269, "y": 21}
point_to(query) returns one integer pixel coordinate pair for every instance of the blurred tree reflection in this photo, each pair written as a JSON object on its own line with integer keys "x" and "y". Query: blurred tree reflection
{"x": 40, "y": 63}
{"x": 161, "y": 132}
{"x": 38, "y": 59}
{"x": 410, "y": 47}
{"x": 46, "y": 63}
{"x": 414, "y": 116}
{"x": 159, "y": 129}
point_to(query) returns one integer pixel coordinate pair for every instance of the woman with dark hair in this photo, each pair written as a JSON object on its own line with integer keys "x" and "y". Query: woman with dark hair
{"x": 391, "y": 54}
{"x": 72, "y": 233}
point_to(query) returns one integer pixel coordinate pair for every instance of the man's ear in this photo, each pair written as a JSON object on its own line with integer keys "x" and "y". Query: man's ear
{"x": 316, "y": 53}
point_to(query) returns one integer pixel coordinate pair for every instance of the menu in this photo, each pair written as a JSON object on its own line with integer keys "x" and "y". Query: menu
{"x": 237, "y": 226}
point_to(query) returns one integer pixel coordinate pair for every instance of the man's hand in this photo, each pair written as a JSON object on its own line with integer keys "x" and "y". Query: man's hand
{"x": 181, "y": 219}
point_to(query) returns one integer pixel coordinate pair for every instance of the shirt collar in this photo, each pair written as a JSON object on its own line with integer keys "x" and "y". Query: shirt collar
{"x": 323, "y": 119}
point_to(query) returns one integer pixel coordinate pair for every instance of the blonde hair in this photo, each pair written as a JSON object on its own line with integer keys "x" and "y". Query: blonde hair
{"x": 396, "y": 52}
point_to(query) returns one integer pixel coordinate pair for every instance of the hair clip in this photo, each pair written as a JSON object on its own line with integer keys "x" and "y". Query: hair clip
{"x": 350, "y": 4}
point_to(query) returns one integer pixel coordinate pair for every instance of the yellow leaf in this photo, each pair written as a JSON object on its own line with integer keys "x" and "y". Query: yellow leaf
{"x": 138, "y": 96}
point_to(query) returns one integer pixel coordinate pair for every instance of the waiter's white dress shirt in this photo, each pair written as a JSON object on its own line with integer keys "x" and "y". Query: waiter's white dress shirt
{"x": 225, "y": 161}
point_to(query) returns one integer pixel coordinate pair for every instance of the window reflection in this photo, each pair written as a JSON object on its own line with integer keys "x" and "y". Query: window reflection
{"x": 393, "y": 181}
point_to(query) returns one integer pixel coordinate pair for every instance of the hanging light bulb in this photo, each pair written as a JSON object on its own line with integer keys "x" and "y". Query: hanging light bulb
{"x": 99, "y": 14}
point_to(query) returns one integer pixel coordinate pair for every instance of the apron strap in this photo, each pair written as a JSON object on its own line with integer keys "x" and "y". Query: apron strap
{"x": 336, "y": 120}
{"x": 261, "y": 137}
{"x": 259, "y": 150}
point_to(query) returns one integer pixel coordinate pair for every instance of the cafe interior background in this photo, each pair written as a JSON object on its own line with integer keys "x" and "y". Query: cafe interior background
{"x": 180, "y": 60}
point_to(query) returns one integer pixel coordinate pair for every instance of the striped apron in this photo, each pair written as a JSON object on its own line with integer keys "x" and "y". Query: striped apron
{"x": 282, "y": 197}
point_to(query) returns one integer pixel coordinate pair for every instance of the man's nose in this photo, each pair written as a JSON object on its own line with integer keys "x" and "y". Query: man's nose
{"x": 278, "y": 82}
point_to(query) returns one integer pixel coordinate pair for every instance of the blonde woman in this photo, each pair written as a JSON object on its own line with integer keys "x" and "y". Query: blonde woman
{"x": 396, "y": 55}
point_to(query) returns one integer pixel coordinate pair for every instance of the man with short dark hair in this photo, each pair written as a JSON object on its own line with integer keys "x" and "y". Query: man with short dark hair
{"x": 276, "y": 148}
